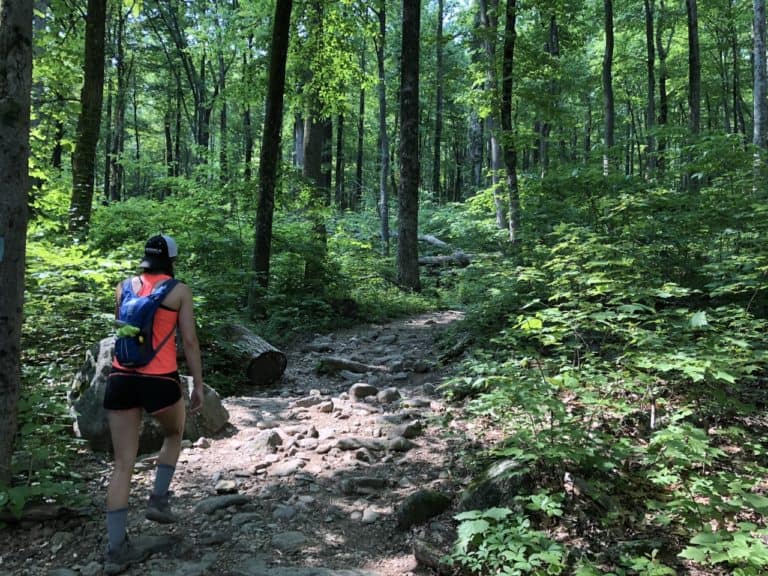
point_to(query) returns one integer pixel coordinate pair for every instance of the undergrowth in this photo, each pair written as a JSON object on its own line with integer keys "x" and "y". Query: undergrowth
{"x": 624, "y": 364}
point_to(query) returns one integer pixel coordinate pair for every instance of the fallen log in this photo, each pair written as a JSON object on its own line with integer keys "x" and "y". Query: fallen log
{"x": 334, "y": 365}
{"x": 456, "y": 259}
{"x": 264, "y": 364}
{"x": 41, "y": 513}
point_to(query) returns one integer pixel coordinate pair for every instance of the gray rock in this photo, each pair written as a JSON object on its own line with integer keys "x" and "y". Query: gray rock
{"x": 287, "y": 468}
{"x": 211, "y": 505}
{"x": 420, "y": 507}
{"x": 361, "y": 390}
{"x": 92, "y": 569}
{"x": 245, "y": 518}
{"x": 265, "y": 441}
{"x": 407, "y": 430}
{"x": 498, "y": 486}
{"x": 86, "y": 396}
{"x": 283, "y": 512}
{"x": 363, "y": 485}
{"x": 388, "y": 395}
{"x": 399, "y": 444}
{"x": 288, "y": 541}
{"x": 226, "y": 487}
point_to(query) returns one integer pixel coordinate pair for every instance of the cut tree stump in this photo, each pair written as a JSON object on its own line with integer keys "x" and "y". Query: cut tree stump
{"x": 264, "y": 364}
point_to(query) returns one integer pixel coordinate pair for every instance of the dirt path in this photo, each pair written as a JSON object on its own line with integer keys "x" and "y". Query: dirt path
{"x": 307, "y": 480}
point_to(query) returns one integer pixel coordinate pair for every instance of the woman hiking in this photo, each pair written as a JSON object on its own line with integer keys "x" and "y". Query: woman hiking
{"x": 154, "y": 387}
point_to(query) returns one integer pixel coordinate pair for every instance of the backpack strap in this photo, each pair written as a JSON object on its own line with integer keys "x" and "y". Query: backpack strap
{"x": 161, "y": 292}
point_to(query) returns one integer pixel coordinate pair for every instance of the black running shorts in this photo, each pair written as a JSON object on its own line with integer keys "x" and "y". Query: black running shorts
{"x": 153, "y": 392}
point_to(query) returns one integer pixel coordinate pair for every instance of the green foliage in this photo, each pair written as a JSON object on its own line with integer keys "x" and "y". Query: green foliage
{"x": 497, "y": 541}
{"x": 625, "y": 347}
{"x": 44, "y": 464}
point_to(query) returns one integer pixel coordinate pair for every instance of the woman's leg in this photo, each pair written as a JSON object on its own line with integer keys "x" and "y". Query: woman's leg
{"x": 171, "y": 420}
{"x": 124, "y": 429}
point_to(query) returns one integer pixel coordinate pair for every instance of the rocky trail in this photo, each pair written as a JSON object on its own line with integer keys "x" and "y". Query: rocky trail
{"x": 322, "y": 474}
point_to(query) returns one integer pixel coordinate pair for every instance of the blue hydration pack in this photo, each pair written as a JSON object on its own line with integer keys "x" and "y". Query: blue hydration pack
{"x": 136, "y": 317}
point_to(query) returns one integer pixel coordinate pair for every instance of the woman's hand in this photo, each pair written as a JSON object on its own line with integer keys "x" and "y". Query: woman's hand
{"x": 196, "y": 398}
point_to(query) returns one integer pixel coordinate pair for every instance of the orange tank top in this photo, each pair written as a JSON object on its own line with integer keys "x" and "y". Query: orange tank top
{"x": 164, "y": 361}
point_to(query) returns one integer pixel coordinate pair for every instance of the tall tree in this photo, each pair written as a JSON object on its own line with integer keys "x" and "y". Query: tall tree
{"x": 357, "y": 199}
{"x": 91, "y": 95}
{"x": 650, "y": 113}
{"x": 488, "y": 27}
{"x": 508, "y": 137}
{"x": 662, "y": 48}
{"x": 408, "y": 205}
{"x": 608, "y": 100}
{"x": 318, "y": 136}
{"x": 760, "y": 104}
{"x": 117, "y": 133}
{"x": 342, "y": 201}
{"x": 694, "y": 69}
{"x": 381, "y": 37}
{"x": 15, "y": 86}
{"x": 270, "y": 153}
{"x": 439, "y": 81}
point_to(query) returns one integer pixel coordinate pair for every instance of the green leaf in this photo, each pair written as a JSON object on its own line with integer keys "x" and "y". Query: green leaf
{"x": 758, "y": 502}
{"x": 531, "y": 325}
{"x": 694, "y": 553}
{"x": 698, "y": 320}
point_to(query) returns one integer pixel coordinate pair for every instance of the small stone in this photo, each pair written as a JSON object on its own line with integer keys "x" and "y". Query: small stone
{"x": 226, "y": 487}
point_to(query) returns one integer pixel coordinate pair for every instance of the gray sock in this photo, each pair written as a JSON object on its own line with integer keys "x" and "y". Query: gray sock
{"x": 117, "y": 520}
{"x": 163, "y": 477}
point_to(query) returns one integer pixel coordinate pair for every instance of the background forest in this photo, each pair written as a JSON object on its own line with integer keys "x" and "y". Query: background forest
{"x": 585, "y": 179}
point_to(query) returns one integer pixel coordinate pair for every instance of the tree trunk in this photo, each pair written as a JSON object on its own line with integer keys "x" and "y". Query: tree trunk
{"x": 108, "y": 143}
{"x": 507, "y": 129}
{"x": 342, "y": 202}
{"x": 650, "y": 114}
{"x": 357, "y": 201}
{"x": 663, "y": 75}
{"x": 760, "y": 82}
{"x": 263, "y": 363}
{"x": 177, "y": 140}
{"x": 314, "y": 172}
{"x": 383, "y": 135}
{"x": 84, "y": 157}
{"x": 298, "y": 141}
{"x": 247, "y": 127}
{"x": 439, "y": 73}
{"x": 552, "y": 48}
{"x": 608, "y": 101}
{"x": 116, "y": 169}
{"x": 168, "y": 141}
{"x": 136, "y": 135}
{"x": 739, "y": 125}
{"x": 694, "y": 68}
{"x": 488, "y": 22}
{"x": 475, "y": 151}
{"x": 270, "y": 153}
{"x": 223, "y": 140}
{"x": 15, "y": 87}
{"x": 408, "y": 205}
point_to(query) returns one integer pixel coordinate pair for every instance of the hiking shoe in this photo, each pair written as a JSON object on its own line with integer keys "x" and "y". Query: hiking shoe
{"x": 159, "y": 509}
{"x": 126, "y": 554}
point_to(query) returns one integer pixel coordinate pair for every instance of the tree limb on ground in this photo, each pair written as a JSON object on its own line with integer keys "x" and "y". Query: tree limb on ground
{"x": 334, "y": 365}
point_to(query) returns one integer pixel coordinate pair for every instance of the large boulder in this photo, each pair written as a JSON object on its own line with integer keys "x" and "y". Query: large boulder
{"x": 86, "y": 397}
